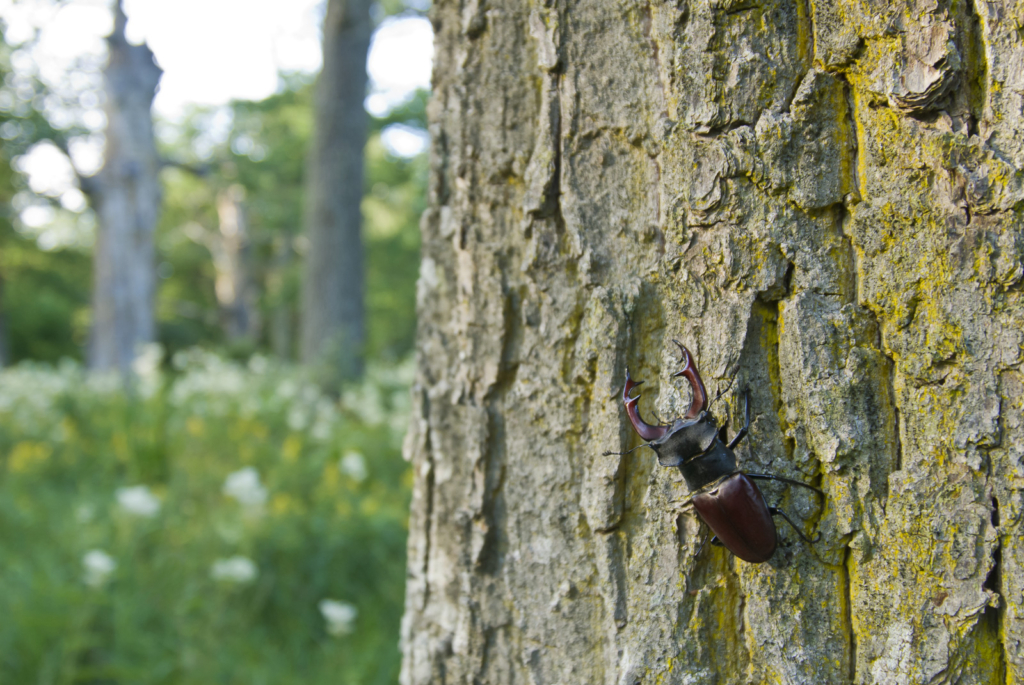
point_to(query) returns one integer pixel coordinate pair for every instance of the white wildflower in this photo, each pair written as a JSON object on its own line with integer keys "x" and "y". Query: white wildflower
{"x": 29, "y": 393}
{"x": 353, "y": 465}
{"x": 98, "y": 567}
{"x": 208, "y": 384}
{"x": 326, "y": 417}
{"x": 366, "y": 402}
{"x": 258, "y": 364}
{"x": 147, "y": 362}
{"x": 298, "y": 419}
{"x": 138, "y": 501}
{"x": 146, "y": 366}
{"x": 237, "y": 569}
{"x": 244, "y": 485}
{"x": 321, "y": 430}
{"x": 104, "y": 382}
{"x": 286, "y": 389}
{"x": 339, "y": 616}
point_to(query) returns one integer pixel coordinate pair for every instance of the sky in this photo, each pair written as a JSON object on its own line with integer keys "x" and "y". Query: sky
{"x": 211, "y": 52}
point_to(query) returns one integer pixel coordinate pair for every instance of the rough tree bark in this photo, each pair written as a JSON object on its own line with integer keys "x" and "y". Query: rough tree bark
{"x": 125, "y": 195}
{"x": 824, "y": 202}
{"x": 332, "y": 327}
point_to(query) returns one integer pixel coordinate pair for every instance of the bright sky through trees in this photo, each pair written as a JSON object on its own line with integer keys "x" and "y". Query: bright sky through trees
{"x": 214, "y": 51}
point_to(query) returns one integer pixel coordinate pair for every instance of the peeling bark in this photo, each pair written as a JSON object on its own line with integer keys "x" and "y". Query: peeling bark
{"x": 824, "y": 203}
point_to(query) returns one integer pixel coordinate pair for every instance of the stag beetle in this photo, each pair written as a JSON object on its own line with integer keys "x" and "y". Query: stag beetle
{"x": 726, "y": 498}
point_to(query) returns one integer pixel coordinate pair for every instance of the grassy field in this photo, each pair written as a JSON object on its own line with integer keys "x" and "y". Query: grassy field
{"x": 217, "y": 523}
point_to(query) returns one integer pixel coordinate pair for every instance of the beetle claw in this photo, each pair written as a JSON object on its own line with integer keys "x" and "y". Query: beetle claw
{"x": 689, "y": 371}
{"x": 643, "y": 429}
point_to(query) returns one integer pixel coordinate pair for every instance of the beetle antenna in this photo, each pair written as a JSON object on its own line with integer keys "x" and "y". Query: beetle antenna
{"x": 646, "y": 444}
{"x": 731, "y": 381}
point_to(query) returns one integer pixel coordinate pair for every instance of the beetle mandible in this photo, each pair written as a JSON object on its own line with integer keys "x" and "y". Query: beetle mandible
{"x": 726, "y": 499}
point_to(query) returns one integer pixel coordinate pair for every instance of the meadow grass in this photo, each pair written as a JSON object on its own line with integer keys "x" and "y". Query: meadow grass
{"x": 217, "y": 522}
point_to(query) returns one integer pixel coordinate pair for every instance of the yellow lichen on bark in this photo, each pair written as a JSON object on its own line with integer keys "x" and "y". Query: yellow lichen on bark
{"x": 824, "y": 203}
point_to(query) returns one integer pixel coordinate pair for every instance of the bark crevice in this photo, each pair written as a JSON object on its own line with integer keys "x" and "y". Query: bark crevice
{"x": 994, "y": 617}
{"x": 848, "y": 612}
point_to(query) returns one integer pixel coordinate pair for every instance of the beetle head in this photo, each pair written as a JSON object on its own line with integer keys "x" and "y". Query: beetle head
{"x": 698, "y": 404}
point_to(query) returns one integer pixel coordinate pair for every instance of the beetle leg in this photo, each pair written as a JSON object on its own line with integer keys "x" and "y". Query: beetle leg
{"x": 644, "y": 430}
{"x": 746, "y": 426}
{"x": 766, "y": 476}
{"x": 689, "y": 371}
{"x": 776, "y": 511}
{"x": 702, "y": 543}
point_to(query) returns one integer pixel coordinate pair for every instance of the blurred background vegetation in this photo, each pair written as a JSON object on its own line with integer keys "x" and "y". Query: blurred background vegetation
{"x": 227, "y": 524}
{"x": 218, "y": 517}
{"x": 264, "y": 154}
{"x": 45, "y": 305}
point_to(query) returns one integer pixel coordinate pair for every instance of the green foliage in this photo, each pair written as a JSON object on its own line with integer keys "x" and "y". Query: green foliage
{"x": 395, "y": 199}
{"x": 263, "y": 150}
{"x": 188, "y": 531}
{"x": 45, "y": 299}
{"x": 44, "y": 295}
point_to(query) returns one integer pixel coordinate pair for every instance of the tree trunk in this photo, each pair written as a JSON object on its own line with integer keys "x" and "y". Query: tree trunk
{"x": 230, "y": 250}
{"x": 281, "y": 298}
{"x": 125, "y": 194}
{"x": 823, "y": 201}
{"x": 333, "y": 329}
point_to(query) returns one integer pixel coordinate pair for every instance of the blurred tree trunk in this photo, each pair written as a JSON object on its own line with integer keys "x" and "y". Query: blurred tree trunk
{"x": 231, "y": 253}
{"x": 824, "y": 202}
{"x": 125, "y": 194}
{"x": 333, "y": 327}
{"x": 281, "y": 297}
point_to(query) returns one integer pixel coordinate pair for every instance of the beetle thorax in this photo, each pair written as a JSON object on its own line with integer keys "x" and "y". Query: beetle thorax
{"x": 687, "y": 439}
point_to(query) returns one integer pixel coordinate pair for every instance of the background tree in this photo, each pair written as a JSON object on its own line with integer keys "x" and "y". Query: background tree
{"x": 264, "y": 152}
{"x": 126, "y": 197}
{"x": 333, "y": 327}
{"x": 824, "y": 202}
{"x": 230, "y": 249}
